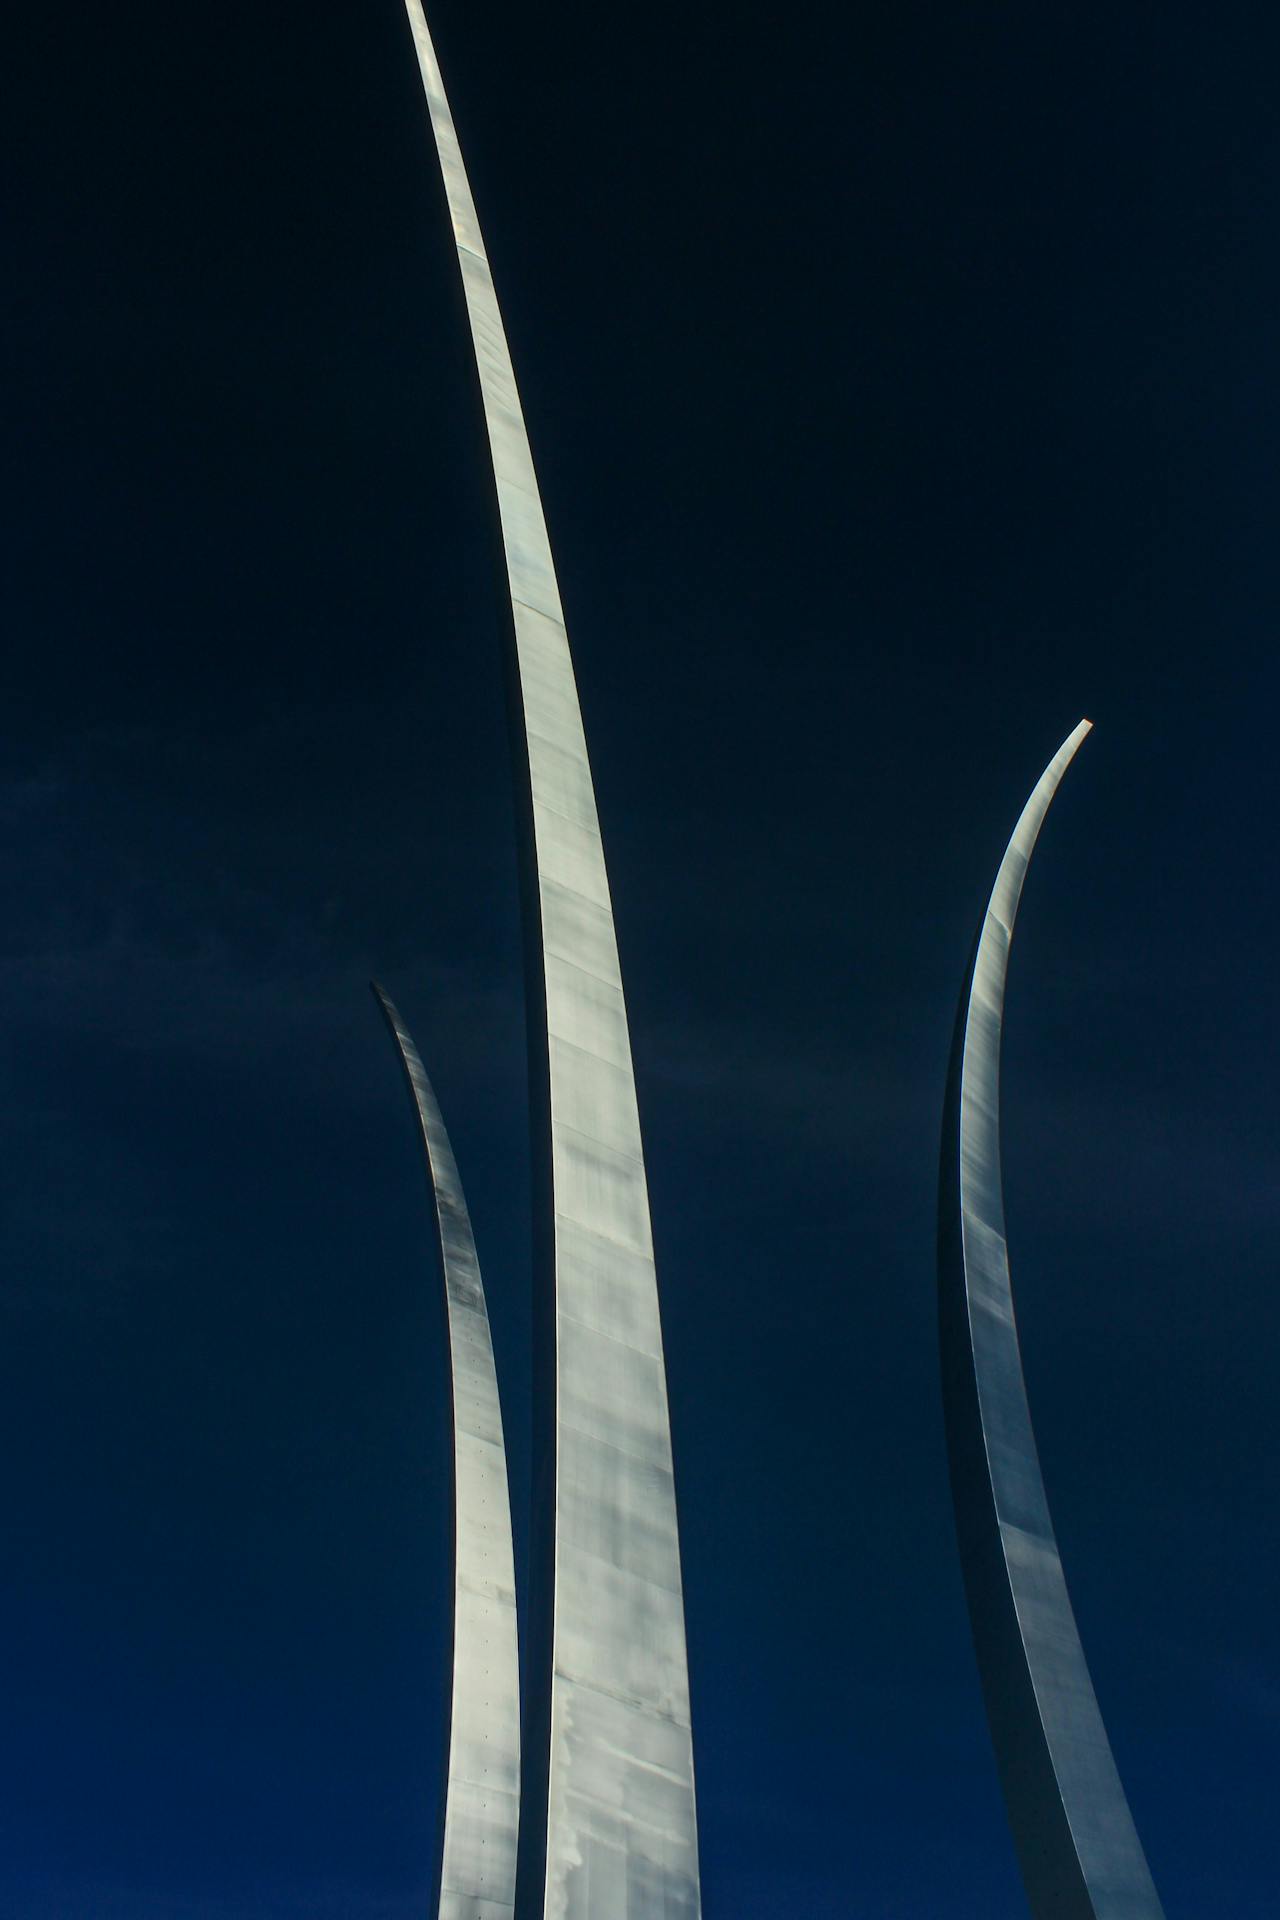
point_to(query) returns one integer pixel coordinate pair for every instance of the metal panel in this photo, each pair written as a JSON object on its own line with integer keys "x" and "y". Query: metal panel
{"x": 482, "y": 1795}
{"x": 1080, "y": 1855}
{"x": 607, "y": 1741}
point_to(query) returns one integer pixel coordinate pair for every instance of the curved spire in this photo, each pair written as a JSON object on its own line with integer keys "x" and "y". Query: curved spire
{"x": 482, "y": 1793}
{"x": 1080, "y": 1855}
{"x": 609, "y": 1829}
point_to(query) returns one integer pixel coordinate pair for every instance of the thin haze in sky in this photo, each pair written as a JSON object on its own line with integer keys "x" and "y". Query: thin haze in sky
{"x": 903, "y": 385}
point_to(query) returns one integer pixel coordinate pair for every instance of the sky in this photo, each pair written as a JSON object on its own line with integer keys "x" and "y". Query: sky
{"x": 903, "y": 385}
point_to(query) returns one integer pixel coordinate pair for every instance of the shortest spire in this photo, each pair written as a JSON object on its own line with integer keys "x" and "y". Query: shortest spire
{"x": 482, "y": 1793}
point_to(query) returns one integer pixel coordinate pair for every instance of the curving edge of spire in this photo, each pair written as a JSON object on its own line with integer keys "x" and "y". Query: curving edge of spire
{"x": 609, "y": 1828}
{"x": 1077, "y": 1846}
{"x": 482, "y": 1789}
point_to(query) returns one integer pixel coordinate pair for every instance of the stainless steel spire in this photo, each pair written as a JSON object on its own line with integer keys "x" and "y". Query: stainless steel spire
{"x": 1080, "y": 1855}
{"x": 610, "y": 1828}
{"x": 482, "y": 1794}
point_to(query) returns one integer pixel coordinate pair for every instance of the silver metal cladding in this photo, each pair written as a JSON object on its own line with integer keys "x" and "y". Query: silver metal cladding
{"x": 482, "y": 1790}
{"x": 1078, "y": 1849}
{"x": 610, "y": 1828}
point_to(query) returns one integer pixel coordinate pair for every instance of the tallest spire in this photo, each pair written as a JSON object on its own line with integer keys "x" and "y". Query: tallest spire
{"x": 609, "y": 1829}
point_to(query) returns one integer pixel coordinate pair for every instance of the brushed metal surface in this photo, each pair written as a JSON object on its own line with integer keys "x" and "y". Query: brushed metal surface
{"x": 482, "y": 1790}
{"x": 1079, "y": 1852}
{"x": 608, "y": 1748}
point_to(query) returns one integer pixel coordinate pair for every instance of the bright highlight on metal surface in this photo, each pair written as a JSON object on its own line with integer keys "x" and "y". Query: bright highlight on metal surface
{"x": 482, "y": 1794}
{"x": 1080, "y": 1855}
{"x": 609, "y": 1828}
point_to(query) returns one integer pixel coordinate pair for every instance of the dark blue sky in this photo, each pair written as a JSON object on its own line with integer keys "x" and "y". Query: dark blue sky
{"x": 904, "y": 384}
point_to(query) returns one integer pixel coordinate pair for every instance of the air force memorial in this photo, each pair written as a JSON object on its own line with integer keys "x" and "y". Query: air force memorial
{"x": 569, "y": 1790}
